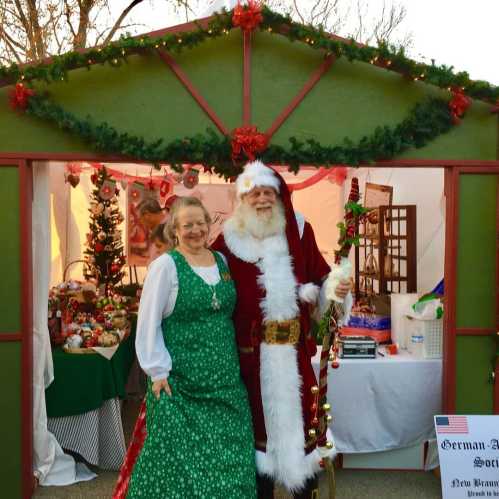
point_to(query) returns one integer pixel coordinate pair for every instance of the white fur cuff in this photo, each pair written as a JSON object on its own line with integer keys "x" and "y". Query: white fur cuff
{"x": 309, "y": 293}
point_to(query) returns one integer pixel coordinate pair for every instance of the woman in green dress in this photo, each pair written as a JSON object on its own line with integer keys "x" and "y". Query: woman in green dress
{"x": 199, "y": 441}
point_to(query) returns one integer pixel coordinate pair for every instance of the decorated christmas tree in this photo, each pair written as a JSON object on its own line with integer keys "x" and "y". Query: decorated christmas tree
{"x": 104, "y": 258}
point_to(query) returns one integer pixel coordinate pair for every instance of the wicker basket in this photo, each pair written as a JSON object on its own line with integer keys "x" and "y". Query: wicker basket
{"x": 90, "y": 350}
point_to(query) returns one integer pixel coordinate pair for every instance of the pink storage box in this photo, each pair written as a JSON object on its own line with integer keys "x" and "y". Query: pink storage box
{"x": 379, "y": 335}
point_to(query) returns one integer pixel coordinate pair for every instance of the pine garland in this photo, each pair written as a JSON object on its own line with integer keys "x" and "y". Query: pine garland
{"x": 425, "y": 122}
{"x": 116, "y": 54}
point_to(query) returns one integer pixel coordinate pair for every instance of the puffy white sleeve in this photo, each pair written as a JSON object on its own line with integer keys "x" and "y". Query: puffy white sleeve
{"x": 157, "y": 302}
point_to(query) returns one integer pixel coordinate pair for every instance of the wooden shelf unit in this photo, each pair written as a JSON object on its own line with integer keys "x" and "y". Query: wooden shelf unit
{"x": 394, "y": 249}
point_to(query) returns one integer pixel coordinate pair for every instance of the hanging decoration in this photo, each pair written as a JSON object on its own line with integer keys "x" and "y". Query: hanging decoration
{"x": 247, "y": 17}
{"x": 191, "y": 178}
{"x": 137, "y": 192}
{"x": 71, "y": 175}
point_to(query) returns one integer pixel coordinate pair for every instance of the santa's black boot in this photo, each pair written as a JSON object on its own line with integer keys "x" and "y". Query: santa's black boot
{"x": 265, "y": 487}
{"x": 310, "y": 489}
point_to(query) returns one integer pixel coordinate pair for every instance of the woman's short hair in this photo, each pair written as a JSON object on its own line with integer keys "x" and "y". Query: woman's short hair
{"x": 171, "y": 223}
{"x": 149, "y": 205}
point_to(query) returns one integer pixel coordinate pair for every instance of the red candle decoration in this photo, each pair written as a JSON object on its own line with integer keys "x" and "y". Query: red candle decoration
{"x": 247, "y": 17}
{"x": 247, "y": 142}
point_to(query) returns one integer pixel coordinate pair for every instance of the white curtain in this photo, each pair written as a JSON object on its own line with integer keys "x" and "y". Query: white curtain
{"x": 50, "y": 465}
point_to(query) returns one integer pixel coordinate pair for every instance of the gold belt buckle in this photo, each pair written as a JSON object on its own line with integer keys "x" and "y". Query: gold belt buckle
{"x": 282, "y": 332}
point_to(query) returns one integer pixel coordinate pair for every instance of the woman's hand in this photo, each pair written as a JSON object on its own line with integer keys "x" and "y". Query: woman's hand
{"x": 161, "y": 384}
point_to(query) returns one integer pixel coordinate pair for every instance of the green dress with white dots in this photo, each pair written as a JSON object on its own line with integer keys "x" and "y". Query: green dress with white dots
{"x": 199, "y": 442}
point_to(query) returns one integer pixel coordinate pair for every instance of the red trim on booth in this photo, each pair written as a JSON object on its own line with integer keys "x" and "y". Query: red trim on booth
{"x": 184, "y": 79}
{"x": 26, "y": 198}
{"x": 5, "y": 337}
{"x": 247, "y": 78}
{"x": 309, "y": 85}
{"x": 450, "y": 269}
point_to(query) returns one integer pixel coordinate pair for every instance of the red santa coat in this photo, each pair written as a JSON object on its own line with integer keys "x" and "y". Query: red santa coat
{"x": 279, "y": 378}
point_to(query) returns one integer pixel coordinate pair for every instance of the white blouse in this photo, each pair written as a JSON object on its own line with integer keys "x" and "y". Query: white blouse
{"x": 157, "y": 302}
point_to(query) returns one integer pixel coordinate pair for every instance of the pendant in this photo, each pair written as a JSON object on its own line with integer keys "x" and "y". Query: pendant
{"x": 215, "y": 304}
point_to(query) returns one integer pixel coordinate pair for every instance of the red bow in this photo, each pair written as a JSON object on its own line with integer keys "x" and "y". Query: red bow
{"x": 248, "y": 141}
{"x": 458, "y": 105}
{"x": 247, "y": 17}
{"x": 19, "y": 96}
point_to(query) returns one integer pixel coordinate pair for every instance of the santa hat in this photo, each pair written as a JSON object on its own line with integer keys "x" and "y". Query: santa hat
{"x": 256, "y": 174}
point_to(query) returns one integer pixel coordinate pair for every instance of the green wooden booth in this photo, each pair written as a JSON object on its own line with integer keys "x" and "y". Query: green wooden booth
{"x": 225, "y": 78}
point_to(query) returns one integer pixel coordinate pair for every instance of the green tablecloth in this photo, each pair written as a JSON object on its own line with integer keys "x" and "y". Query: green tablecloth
{"x": 83, "y": 382}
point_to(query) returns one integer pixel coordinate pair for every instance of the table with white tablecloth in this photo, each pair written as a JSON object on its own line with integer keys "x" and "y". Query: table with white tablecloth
{"x": 384, "y": 403}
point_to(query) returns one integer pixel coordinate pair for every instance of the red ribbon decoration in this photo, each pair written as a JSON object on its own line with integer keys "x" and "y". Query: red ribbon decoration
{"x": 247, "y": 141}
{"x": 19, "y": 96}
{"x": 458, "y": 105}
{"x": 247, "y": 17}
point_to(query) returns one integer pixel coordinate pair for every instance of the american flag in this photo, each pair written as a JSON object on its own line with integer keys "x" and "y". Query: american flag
{"x": 452, "y": 424}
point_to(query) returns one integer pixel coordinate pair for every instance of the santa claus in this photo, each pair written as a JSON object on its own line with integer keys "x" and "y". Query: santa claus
{"x": 279, "y": 273}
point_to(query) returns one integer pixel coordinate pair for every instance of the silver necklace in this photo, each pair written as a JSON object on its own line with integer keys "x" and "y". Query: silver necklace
{"x": 215, "y": 303}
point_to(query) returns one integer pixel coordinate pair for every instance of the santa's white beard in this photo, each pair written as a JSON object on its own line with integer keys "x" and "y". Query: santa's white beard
{"x": 260, "y": 225}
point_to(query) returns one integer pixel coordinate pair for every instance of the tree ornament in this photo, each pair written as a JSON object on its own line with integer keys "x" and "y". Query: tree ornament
{"x": 108, "y": 247}
{"x": 101, "y": 236}
{"x": 191, "y": 179}
{"x": 107, "y": 189}
{"x": 115, "y": 268}
{"x": 97, "y": 208}
{"x": 93, "y": 178}
{"x": 98, "y": 247}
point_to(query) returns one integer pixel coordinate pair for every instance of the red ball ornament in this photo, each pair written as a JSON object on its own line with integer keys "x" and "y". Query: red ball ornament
{"x": 93, "y": 178}
{"x": 335, "y": 364}
{"x": 98, "y": 247}
{"x": 115, "y": 268}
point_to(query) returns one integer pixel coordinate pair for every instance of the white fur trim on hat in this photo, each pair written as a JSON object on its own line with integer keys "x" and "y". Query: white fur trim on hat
{"x": 256, "y": 174}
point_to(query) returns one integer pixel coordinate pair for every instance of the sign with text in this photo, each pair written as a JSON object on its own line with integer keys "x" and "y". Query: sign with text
{"x": 468, "y": 449}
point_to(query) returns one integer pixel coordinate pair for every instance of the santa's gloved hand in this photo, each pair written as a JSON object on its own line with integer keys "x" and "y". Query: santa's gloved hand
{"x": 309, "y": 293}
{"x": 338, "y": 284}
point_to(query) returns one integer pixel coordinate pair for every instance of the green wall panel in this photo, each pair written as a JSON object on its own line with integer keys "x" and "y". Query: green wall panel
{"x": 144, "y": 97}
{"x": 474, "y": 391}
{"x": 10, "y": 428}
{"x": 476, "y": 258}
{"x": 10, "y": 253}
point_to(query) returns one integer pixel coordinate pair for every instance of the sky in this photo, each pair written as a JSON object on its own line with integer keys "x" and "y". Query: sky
{"x": 458, "y": 33}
